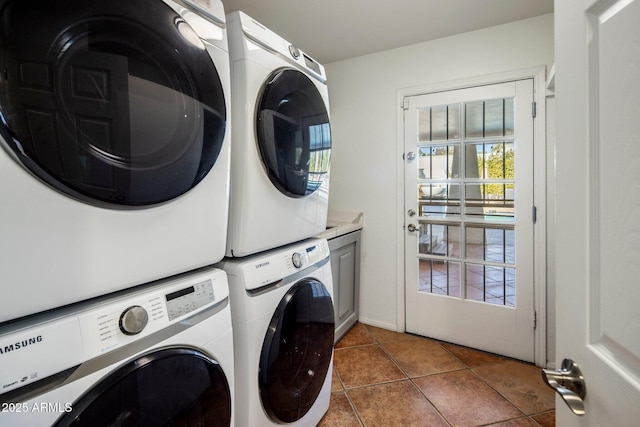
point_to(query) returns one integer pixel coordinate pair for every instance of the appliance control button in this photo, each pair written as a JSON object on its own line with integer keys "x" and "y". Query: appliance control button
{"x": 294, "y": 51}
{"x": 296, "y": 258}
{"x": 133, "y": 320}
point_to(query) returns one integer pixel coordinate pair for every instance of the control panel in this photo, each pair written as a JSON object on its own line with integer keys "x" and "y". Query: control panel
{"x": 260, "y": 270}
{"x": 104, "y": 329}
{"x": 275, "y": 43}
{"x": 31, "y": 352}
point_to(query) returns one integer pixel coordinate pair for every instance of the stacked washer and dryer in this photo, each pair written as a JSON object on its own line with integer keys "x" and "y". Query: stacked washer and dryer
{"x": 114, "y": 181}
{"x": 115, "y": 169}
{"x": 279, "y": 277}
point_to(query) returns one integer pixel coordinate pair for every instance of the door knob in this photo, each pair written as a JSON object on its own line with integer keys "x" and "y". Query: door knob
{"x": 568, "y": 382}
{"x": 412, "y": 227}
{"x": 411, "y": 156}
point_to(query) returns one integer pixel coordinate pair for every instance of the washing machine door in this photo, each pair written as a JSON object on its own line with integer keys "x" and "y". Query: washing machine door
{"x": 293, "y": 132}
{"x": 297, "y": 351}
{"x": 117, "y": 104}
{"x": 168, "y": 387}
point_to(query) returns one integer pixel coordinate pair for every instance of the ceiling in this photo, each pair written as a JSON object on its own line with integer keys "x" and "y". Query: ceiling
{"x": 331, "y": 30}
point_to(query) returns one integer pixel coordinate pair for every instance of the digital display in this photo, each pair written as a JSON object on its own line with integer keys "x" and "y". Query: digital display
{"x": 180, "y": 293}
{"x": 311, "y": 64}
{"x": 186, "y": 300}
{"x": 311, "y": 249}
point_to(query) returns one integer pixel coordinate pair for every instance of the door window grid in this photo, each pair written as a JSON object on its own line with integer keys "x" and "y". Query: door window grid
{"x": 451, "y": 249}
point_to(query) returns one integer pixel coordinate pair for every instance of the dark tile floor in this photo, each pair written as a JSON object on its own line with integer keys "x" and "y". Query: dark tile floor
{"x": 384, "y": 378}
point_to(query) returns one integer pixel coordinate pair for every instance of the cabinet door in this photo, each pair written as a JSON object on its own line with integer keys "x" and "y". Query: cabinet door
{"x": 345, "y": 264}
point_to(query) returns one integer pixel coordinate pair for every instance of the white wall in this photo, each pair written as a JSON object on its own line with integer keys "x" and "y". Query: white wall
{"x": 365, "y": 161}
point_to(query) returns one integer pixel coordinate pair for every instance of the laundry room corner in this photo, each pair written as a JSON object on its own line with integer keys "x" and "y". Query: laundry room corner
{"x": 366, "y": 161}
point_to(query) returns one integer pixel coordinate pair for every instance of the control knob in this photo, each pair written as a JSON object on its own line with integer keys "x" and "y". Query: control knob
{"x": 133, "y": 320}
{"x": 296, "y": 258}
{"x": 294, "y": 51}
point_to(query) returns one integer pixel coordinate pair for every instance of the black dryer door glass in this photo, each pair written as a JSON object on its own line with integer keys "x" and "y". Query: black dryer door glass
{"x": 169, "y": 387}
{"x": 115, "y": 103}
{"x": 294, "y": 136}
{"x": 296, "y": 352}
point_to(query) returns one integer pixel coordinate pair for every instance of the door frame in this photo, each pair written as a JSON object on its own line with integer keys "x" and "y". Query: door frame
{"x": 538, "y": 74}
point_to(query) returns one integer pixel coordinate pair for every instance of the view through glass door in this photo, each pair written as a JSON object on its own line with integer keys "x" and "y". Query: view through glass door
{"x": 469, "y": 217}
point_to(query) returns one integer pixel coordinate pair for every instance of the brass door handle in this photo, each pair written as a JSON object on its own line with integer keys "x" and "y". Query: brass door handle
{"x": 568, "y": 382}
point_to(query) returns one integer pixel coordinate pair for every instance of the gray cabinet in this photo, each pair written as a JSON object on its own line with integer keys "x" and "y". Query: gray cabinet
{"x": 345, "y": 268}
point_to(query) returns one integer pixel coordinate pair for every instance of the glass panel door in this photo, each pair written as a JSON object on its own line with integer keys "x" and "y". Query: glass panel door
{"x": 466, "y": 178}
{"x": 469, "y": 248}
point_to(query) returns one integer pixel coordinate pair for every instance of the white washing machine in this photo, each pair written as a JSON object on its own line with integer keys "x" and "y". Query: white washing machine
{"x": 114, "y": 135}
{"x": 281, "y": 146}
{"x": 155, "y": 355}
{"x": 283, "y": 329}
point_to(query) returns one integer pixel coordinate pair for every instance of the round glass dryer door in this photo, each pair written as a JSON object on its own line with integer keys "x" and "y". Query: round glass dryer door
{"x": 170, "y": 387}
{"x": 294, "y": 136}
{"x": 296, "y": 352}
{"x": 117, "y": 104}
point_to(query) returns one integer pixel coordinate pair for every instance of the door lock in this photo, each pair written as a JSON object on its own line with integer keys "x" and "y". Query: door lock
{"x": 568, "y": 382}
{"x": 411, "y": 212}
{"x": 412, "y": 227}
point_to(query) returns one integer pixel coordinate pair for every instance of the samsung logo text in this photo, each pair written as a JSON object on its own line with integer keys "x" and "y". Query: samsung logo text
{"x": 20, "y": 344}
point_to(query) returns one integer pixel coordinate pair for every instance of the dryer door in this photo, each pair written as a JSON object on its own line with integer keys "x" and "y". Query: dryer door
{"x": 169, "y": 387}
{"x": 297, "y": 351}
{"x": 293, "y": 133}
{"x": 117, "y": 104}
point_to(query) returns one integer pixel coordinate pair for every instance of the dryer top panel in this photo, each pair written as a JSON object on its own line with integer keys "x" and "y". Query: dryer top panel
{"x": 242, "y": 25}
{"x": 269, "y": 267}
{"x": 211, "y": 8}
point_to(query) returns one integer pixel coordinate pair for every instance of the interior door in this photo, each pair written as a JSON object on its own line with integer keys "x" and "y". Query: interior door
{"x": 598, "y": 206}
{"x": 468, "y": 217}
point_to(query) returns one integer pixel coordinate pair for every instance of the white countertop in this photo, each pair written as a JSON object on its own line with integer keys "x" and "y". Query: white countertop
{"x": 340, "y": 223}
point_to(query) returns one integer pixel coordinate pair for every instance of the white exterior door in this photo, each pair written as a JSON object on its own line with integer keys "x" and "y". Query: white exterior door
{"x": 598, "y": 206}
{"x": 468, "y": 217}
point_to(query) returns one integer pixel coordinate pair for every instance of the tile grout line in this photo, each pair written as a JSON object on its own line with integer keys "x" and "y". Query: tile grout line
{"x": 465, "y": 367}
{"x": 344, "y": 388}
{"x": 415, "y": 386}
{"x": 470, "y": 369}
{"x": 382, "y": 346}
{"x": 505, "y": 359}
{"x": 353, "y": 406}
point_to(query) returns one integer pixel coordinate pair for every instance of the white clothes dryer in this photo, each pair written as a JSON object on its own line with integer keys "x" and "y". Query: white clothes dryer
{"x": 156, "y": 355}
{"x": 281, "y": 146}
{"x": 114, "y": 135}
{"x": 283, "y": 325}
